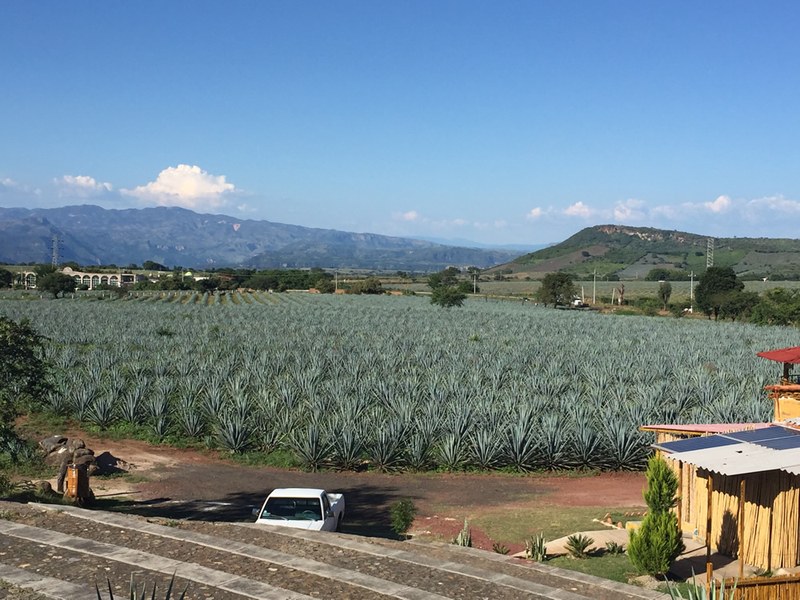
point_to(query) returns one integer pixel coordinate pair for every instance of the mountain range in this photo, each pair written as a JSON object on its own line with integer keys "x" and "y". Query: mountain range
{"x": 632, "y": 252}
{"x": 91, "y": 235}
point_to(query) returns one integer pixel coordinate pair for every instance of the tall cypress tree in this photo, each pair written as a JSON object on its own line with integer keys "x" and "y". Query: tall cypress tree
{"x": 658, "y": 542}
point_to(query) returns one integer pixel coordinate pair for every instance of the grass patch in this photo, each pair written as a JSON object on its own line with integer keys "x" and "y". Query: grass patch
{"x": 283, "y": 459}
{"x": 41, "y": 424}
{"x": 516, "y": 526}
{"x": 616, "y": 567}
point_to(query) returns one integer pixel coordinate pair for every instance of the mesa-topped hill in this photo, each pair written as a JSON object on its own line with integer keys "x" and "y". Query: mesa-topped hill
{"x": 91, "y": 235}
{"x": 632, "y": 252}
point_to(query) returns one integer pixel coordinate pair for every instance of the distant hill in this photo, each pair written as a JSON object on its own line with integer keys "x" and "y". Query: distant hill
{"x": 462, "y": 243}
{"x": 631, "y": 252}
{"x": 91, "y": 235}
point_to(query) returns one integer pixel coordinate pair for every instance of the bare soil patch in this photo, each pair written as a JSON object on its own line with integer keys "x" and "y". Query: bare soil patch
{"x": 177, "y": 483}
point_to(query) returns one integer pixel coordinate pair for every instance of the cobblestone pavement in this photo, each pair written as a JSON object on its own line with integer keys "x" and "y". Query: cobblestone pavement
{"x": 63, "y": 552}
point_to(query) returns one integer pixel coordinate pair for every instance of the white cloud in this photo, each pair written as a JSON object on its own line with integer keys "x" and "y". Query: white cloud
{"x": 410, "y": 215}
{"x": 462, "y": 222}
{"x": 18, "y": 191}
{"x": 720, "y": 205}
{"x": 774, "y": 204}
{"x": 579, "y": 209}
{"x": 534, "y": 213}
{"x": 187, "y": 186}
{"x": 629, "y": 210}
{"x": 81, "y": 185}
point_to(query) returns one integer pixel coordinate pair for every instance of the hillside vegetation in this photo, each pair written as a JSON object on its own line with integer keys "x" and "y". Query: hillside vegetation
{"x": 90, "y": 235}
{"x": 632, "y": 252}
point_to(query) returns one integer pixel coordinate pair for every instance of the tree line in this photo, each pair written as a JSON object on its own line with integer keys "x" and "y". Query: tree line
{"x": 719, "y": 294}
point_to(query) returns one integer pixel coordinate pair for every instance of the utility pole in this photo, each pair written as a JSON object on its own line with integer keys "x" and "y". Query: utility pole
{"x": 474, "y": 283}
{"x": 54, "y": 257}
{"x": 594, "y": 288}
{"x": 691, "y": 292}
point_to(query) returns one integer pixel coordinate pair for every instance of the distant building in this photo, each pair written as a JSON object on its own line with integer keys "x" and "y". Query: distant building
{"x": 93, "y": 280}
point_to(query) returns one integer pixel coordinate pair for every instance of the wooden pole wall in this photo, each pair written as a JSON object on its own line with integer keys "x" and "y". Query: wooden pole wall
{"x": 709, "y": 567}
{"x": 742, "y": 487}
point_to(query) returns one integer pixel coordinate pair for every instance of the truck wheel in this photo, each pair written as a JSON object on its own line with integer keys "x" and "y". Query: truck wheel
{"x": 339, "y": 523}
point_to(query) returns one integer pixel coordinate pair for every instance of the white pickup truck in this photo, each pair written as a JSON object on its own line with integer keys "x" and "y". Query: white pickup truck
{"x": 302, "y": 508}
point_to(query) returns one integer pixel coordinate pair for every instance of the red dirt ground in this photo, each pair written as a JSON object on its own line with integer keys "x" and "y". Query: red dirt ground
{"x": 173, "y": 476}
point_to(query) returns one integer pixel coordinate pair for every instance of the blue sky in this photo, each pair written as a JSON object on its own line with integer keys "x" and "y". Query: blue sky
{"x": 499, "y": 122}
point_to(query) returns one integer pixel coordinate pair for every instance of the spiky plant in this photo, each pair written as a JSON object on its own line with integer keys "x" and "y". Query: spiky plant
{"x": 311, "y": 447}
{"x": 102, "y": 410}
{"x": 464, "y": 537}
{"x": 536, "y": 548}
{"x": 135, "y": 594}
{"x": 578, "y": 545}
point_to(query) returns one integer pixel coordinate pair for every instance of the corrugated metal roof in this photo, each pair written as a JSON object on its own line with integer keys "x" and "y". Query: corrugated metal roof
{"x": 738, "y": 459}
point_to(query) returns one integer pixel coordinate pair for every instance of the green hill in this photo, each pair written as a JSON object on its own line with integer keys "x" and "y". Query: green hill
{"x": 632, "y": 252}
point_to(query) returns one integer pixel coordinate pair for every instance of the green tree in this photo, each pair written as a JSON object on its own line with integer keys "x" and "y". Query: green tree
{"x": 778, "y": 306}
{"x": 664, "y": 293}
{"x": 447, "y": 277}
{"x": 447, "y": 296}
{"x": 23, "y": 372}
{"x": 370, "y": 285}
{"x": 401, "y": 514}
{"x": 56, "y": 283}
{"x": 657, "y": 543}
{"x": 325, "y": 285}
{"x": 712, "y": 287}
{"x": 6, "y": 278}
{"x": 43, "y": 269}
{"x": 737, "y": 304}
{"x": 150, "y": 265}
{"x": 557, "y": 288}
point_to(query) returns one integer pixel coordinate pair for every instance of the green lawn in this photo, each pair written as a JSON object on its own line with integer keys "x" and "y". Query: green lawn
{"x": 516, "y": 526}
{"x": 616, "y": 567}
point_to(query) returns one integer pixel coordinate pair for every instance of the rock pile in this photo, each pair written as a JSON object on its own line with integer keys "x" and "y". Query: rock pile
{"x": 64, "y": 452}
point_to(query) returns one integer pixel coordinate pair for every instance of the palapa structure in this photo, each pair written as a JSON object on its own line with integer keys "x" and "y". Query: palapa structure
{"x": 740, "y": 483}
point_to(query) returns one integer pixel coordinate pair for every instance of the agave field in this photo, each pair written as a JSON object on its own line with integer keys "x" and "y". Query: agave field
{"x": 395, "y": 383}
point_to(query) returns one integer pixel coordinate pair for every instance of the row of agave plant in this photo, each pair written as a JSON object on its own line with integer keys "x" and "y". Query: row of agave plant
{"x": 395, "y": 383}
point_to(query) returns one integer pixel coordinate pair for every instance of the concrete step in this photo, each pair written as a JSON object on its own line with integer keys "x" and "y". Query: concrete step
{"x": 275, "y": 562}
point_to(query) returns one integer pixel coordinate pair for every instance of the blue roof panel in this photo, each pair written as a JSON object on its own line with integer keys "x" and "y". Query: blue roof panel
{"x": 696, "y": 443}
{"x": 758, "y": 436}
{"x": 784, "y": 443}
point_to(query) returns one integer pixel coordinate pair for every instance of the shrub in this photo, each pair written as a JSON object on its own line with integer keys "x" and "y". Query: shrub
{"x": 402, "y": 514}
{"x": 658, "y": 542}
{"x": 134, "y": 593}
{"x": 614, "y": 548}
{"x": 500, "y": 548}
{"x": 535, "y": 548}
{"x": 464, "y": 537}
{"x": 699, "y": 592}
{"x": 578, "y": 544}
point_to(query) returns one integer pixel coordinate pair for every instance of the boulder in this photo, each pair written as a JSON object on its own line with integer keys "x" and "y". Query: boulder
{"x": 75, "y": 444}
{"x": 52, "y": 443}
{"x": 43, "y": 488}
{"x": 54, "y": 458}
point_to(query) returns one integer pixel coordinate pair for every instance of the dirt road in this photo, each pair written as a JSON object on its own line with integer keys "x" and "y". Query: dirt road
{"x": 177, "y": 483}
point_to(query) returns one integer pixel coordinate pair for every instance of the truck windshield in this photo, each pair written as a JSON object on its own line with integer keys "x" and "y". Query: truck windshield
{"x": 291, "y": 509}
